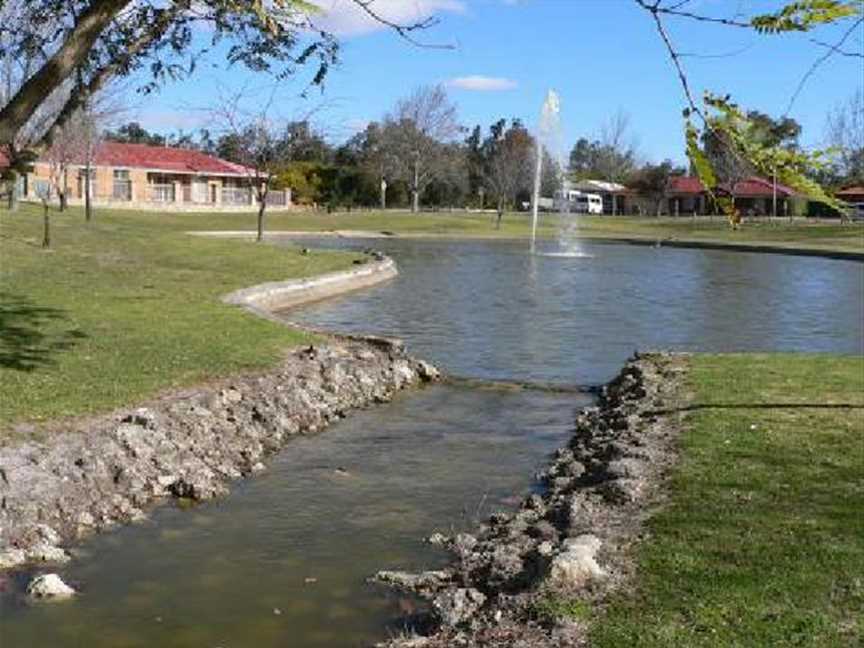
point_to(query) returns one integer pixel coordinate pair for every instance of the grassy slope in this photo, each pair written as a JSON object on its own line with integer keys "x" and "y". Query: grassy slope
{"x": 762, "y": 543}
{"x": 126, "y": 306}
{"x": 811, "y": 235}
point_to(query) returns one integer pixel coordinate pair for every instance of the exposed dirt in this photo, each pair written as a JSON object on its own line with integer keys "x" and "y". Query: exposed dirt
{"x": 573, "y": 543}
{"x": 109, "y": 469}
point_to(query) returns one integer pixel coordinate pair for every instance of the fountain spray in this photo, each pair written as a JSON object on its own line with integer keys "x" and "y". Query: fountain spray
{"x": 549, "y": 117}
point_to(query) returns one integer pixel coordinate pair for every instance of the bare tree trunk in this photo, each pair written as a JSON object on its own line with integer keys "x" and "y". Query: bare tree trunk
{"x": 88, "y": 206}
{"x": 13, "y": 190}
{"x": 415, "y": 188}
{"x": 64, "y": 194}
{"x": 383, "y": 195}
{"x": 46, "y": 225}
{"x": 500, "y": 210}
{"x": 262, "y": 205}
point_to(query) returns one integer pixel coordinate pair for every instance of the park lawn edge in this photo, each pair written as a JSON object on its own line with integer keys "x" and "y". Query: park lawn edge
{"x": 760, "y": 536}
{"x": 124, "y": 309}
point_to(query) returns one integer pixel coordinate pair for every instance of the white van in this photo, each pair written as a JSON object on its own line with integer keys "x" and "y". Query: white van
{"x": 577, "y": 202}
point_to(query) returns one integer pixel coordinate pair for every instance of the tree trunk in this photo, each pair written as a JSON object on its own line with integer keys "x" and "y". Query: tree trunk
{"x": 262, "y": 205}
{"x": 56, "y": 70}
{"x": 13, "y": 190}
{"x": 88, "y": 206}
{"x": 383, "y": 196}
{"x": 500, "y": 214}
{"x": 64, "y": 192}
{"x": 415, "y": 188}
{"x": 46, "y": 226}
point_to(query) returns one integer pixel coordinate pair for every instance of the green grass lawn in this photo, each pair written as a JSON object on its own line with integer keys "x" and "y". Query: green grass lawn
{"x": 813, "y": 235}
{"x": 127, "y": 306}
{"x": 762, "y": 542}
{"x": 800, "y": 234}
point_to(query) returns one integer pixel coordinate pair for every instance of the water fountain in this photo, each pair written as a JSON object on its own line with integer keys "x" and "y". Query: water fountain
{"x": 549, "y": 139}
{"x": 550, "y": 121}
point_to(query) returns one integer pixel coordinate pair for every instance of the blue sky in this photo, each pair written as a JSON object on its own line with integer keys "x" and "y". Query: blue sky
{"x": 600, "y": 55}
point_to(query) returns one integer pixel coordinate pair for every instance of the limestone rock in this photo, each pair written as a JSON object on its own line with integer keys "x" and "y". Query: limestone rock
{"x": 428, "y": 580}
{"x": 427, "y": 372}
{"x": 577, "y": 565}
{"x": 49, "y": 586}
{"x": 457, "y": 605}
{"x": 12, "y": 558}
{"x": 47, "y": 553}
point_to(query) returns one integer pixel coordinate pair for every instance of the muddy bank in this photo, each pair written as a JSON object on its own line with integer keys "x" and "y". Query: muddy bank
{"x": 571, "y": 543}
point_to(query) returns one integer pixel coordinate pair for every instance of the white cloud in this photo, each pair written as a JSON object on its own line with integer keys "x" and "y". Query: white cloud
{"x": 346, "y": 18}
{"x": 478, "y": 83}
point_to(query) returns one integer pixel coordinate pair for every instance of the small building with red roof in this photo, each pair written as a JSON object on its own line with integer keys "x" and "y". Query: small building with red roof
{"x": 144, "y": 176}
{"x": 853, "y": 195}
{"x": 753, "y": 196}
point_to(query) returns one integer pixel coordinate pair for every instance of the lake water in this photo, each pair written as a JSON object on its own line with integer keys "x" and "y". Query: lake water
{"x": 282, "y": 561}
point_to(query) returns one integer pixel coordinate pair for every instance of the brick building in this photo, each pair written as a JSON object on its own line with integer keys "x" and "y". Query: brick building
{"x": 148, "y": 177}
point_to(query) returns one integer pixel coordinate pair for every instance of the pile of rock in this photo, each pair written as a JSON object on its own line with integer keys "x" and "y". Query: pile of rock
{"x": 572, "y": 539}
{"x": 189, "y": 445}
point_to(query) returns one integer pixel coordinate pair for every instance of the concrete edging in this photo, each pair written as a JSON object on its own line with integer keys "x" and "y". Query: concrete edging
{"x": 266, "y": 298}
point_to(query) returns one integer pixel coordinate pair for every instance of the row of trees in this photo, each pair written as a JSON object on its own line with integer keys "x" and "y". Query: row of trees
{"x": 420, "y": 154}
{"x": 56, "y": 55}
{"x": 495, "y": 167}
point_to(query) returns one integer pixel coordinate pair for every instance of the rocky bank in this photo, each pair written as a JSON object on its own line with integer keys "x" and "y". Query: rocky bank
{"x": 111, "y": 469}
{"x": 571, "y": 544}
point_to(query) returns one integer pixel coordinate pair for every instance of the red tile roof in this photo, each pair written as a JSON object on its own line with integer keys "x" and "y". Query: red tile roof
{"x": 685, "y": 184}
{"x": 850, "y": 192}
{"x": 751, "y": 187}
{"x": 162, "y": 158}
{"x": 760, "y": 187}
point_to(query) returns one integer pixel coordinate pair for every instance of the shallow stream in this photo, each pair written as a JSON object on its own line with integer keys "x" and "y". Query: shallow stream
{"x": 282, "y": 561}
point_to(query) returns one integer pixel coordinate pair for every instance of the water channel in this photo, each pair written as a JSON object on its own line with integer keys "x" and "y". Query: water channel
{"x": 282, "y": 560}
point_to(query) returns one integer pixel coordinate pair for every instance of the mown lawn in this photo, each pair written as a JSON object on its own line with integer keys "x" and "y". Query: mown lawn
{"x": 813, "y": 235}
{"x": 762, "y": 543}
{"x": 126, "y": 306}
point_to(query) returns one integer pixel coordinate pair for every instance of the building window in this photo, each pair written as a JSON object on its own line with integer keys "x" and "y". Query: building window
{"x": 161, "y": 187}
{"x": 122, "y": 185}
{"x": 42, "y": 189}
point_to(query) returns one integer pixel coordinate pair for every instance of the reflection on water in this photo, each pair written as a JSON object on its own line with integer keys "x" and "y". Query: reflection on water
{"x": 282, "y": 561}
{"x": 490, "y": 310}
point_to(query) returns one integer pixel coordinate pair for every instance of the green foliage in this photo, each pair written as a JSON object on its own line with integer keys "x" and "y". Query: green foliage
{"x": 744, "y": 137}
{"x": 793, "y": 167}
{"x": 555, "y": 607}
{"x": 305, "y": 181}
{"x": 651, "y": 181}
{"x": 594, "y": 160}
{"x": 134, "y": 133}
{"x": 805, "y": 15}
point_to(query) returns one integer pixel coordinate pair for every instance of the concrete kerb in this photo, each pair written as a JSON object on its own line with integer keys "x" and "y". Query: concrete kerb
{"x": 267, "y": 298}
